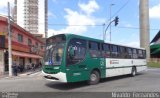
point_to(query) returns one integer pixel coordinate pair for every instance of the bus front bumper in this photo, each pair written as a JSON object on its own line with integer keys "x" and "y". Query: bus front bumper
{"x": 59, "y": 77}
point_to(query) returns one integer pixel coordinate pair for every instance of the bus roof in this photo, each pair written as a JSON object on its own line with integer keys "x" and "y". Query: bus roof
{"x": 125, "y": 45}
{"x": 93, "y": 39}
{"x": 83, "y": 37}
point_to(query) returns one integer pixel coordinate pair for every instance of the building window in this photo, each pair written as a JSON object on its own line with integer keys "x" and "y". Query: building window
{"x": 2, "y": 41}
{"x": 36, "y": 44}
{"x": 30, "y": 60}
{"x": 29, "y": 42}
{"x": 42, "y": 46}
{"x": 20, "y": 38}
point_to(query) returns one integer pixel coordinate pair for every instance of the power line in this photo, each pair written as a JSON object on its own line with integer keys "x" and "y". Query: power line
{"x": 120, "y": 8}
{"x": 74, "y": 25}
{"x": 101, "y": 26}
{"x": 136, "y": 28}
{"x": 64, "y": 24}
{"x": 97, "y": 25}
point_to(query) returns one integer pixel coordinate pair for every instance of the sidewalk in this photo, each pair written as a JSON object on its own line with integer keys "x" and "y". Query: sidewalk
{"x": 25, "y": 73}
{"x": 29, "y": 72}
{"x": 3, "y": 75}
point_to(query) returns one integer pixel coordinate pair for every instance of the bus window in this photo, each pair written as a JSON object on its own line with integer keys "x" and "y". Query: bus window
{"x": 105, "y": 50}
{"x": 144, "y": 54}
{"x": 78, "y": 47}
{"x": 129, "y": 52}
{"x": 140, "y": 54}
{"x": 122, "y": 52}
{"x": 54, "y": 50}
{"x": 94, "y": 49}
{"x": 114, "y": 51}
{"x": 135, "y": 56}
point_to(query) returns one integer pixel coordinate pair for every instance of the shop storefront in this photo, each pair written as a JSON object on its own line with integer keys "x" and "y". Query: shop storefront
{"x": 27, "y": 50}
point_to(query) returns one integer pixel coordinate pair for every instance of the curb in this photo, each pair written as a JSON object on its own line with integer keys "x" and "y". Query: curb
{"x": 29, "y": 73}
{"x": 20, "y": 74}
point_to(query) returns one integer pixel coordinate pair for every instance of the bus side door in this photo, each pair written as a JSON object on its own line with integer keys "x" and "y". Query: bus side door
{"x": 76, "y": 67}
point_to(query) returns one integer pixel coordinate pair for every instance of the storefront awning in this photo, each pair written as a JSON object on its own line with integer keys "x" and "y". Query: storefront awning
{"x": 22, "y": 54}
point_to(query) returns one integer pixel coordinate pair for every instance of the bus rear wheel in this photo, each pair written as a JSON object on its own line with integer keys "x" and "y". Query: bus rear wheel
{"x": 94, "y": 77}
{"x": 133, "y": 72}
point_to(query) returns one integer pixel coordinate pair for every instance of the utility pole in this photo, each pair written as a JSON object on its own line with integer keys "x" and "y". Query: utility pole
{"x": 144, "y": 26}
{"x": 9, "y": 42}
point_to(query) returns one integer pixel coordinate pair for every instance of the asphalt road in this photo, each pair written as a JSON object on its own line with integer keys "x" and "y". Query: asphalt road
{"x": 148, "y": 81}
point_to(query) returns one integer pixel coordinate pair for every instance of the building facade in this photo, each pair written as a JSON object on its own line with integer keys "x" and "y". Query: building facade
{"x": 32, "y": 15}
{"x": 26, "y": 48}
{"x": 155, "y": 48}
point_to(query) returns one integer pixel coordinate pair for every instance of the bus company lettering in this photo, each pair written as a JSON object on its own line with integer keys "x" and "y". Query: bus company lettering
{"x": 114, "y": 62}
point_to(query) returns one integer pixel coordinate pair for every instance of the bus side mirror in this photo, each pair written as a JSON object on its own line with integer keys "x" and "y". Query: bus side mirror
{"x": 71, "y": 52}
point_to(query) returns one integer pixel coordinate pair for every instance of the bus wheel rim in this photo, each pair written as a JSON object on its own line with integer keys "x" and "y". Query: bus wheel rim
{"x": 93, "y": 77}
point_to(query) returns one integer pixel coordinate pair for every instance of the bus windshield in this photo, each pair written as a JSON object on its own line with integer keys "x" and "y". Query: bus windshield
{"x": 54, "y": 50}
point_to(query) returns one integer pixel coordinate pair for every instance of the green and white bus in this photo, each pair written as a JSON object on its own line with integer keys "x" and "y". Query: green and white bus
{"x": 73, "y": 58}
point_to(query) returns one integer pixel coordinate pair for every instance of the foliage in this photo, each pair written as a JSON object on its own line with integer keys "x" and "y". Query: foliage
{"x": 154, "y": 64}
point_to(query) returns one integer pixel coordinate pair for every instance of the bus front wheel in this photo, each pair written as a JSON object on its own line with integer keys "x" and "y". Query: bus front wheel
{"x": 94, "y": 77}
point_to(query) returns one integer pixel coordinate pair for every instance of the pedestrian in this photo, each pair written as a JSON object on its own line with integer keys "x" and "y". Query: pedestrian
{"x": 40, "y": 64}
{"x": 21, "y": 68}
{"x": 14, "y": 67}
{"x": 33, "y": 66}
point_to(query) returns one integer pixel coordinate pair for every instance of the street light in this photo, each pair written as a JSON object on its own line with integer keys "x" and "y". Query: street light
{"x": 110, "y": 18}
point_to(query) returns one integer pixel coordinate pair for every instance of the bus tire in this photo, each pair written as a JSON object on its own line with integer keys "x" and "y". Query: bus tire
{"x": 134, "y": 71}
{"x": 94, "y": 77}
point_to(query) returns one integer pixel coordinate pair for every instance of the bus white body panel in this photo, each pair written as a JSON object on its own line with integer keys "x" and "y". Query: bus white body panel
{"x": 116, "y": 67}
{"x": 60, "y": 76}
